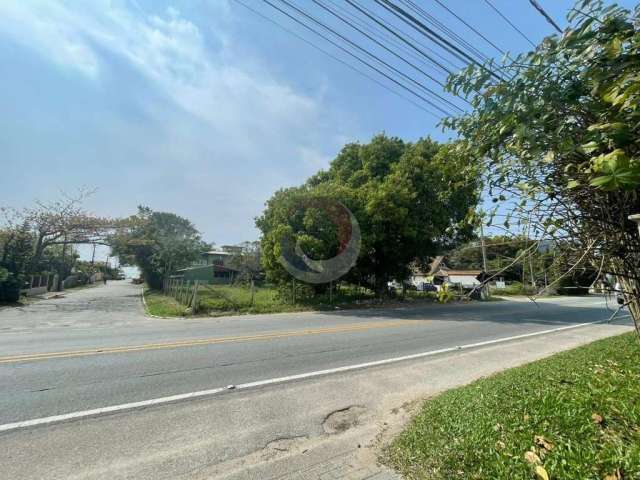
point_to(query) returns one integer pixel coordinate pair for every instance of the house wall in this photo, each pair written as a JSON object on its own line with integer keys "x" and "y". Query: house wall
{"x": 465, "y": 280}
{"x": 206, "y": 274}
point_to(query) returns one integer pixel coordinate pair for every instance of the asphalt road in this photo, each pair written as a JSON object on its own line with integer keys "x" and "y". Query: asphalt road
{"x": 96, "y": 348}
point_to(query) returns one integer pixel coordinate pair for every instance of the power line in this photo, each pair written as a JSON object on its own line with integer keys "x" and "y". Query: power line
{"x": 388, "y": 77}
{"x": 450, "y": 33}
{"x": 317, "y": 2}
{"x": 393, "y": 41}
{"x": 330, "y": 55}
{"x": 375, "y": 57}
{"x": 538, "y": 7}
{"x": 488, "y": 2}
{"x": 425, "y": 31}
{"x": 421, "y": 12}
{"x": 470, "y": 27}
{"x": 381, "y": 22}
{"x": 395, "y": 34}
{"x": 431, "y": 34}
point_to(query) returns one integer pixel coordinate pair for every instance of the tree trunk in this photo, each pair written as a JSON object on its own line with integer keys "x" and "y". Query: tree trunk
{"x": 381, "y": 286}
{"x": 39, "y": 250}
{"x": 632, "y": 296}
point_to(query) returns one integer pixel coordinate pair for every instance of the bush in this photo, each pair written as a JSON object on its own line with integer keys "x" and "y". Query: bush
{"x": 10, "y": 288}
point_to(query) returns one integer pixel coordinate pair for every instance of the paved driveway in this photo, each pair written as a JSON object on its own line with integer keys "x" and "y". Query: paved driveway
{"x": 117, "y": 303}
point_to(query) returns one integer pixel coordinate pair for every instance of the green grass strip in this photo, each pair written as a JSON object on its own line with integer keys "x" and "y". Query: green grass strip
{"x": 577, "y": 413}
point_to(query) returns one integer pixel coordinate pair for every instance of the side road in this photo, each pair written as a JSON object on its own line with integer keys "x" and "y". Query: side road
{"x": 323, "y": 428}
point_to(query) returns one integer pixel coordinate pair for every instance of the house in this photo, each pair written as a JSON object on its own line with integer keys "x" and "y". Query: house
{"x": 439, "y": 274}
{"x": 214, "y": 266}
{"x": 463, "y": 278}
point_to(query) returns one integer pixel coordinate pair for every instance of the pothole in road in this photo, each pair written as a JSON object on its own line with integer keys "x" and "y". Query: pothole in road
{"x": 342, "y": 420}
{"x": 281, "y": 446}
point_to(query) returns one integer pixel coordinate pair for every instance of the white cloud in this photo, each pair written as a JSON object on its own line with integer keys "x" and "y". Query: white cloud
{"x": 167, "y": 49}
{"x": 50, "y": 29}
{"x": 244, "y": 114}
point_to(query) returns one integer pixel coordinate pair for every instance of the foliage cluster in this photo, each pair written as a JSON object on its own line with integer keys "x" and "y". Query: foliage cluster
{"x": 411, "y": 201}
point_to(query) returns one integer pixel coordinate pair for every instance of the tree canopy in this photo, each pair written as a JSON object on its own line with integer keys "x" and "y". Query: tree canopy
{"x": 158, "y": 243}
{"x": 410, "y": 200}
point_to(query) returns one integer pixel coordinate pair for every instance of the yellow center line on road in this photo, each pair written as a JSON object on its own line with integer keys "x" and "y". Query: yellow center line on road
{"x": 207, "y": 341}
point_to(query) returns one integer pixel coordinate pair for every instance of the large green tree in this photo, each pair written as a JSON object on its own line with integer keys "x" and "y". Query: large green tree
{"x": 560, "y": 138}
{"x": 158, "y": 243}
{"x": 410, "y": 200}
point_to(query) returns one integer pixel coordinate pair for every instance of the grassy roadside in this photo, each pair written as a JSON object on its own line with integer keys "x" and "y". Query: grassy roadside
{"x": 161, "y": 305}
{"x": 235, "y": 300}
{"x": 575, "y": 415}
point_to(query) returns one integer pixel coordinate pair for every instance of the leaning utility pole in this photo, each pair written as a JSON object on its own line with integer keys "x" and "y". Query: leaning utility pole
{"x": 485, "y": 288}
{"x": 484, "y": 249}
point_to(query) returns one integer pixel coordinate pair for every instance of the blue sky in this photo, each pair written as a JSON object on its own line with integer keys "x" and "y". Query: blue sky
{"x": 197, "y": 107}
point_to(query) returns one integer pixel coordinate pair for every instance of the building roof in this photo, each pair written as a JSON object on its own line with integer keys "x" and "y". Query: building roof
{"x": 218, "y": 268}
{"x": 217, "y": 252}
{"x": 463, "y": 272}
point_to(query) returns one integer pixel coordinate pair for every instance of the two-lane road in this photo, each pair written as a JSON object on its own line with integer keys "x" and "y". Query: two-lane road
{"x": 95, "y": 348}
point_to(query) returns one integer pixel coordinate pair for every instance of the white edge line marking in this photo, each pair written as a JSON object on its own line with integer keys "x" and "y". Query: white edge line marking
{"x": 204, "y": 393}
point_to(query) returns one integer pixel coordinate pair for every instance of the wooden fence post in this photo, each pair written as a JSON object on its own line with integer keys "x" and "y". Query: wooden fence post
{"x": 194, "y": 299}
{"x": 293, "y": 291}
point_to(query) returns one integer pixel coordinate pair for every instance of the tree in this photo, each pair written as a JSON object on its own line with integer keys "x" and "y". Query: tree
{"x": 57, "y": 226}
{"x": 16, "y": 251}
{"x": 559, "y": 139}
{"x": 410, "y": 200}
{"x": 159, "y": 243}
{"x": 246, "y": 260}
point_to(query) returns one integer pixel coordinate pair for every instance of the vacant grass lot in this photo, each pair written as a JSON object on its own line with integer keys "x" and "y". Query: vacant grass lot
{"x": 225, "y": 299}
{"x": 214, "y": 300}
{"x": 575, "y": 415}
{"x": 163, "y": 306}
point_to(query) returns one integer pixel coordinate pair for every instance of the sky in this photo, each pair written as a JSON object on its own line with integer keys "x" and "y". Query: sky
{"x": 201, "y": 108}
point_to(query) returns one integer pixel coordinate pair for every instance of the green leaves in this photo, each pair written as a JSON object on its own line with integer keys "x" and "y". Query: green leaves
{"x": 572, "y": 98}
{"x": 614, "y": 48}
{"x": 590, "y": 147}
{"x": 159, "y": 243}
{"x": 410, "y": 201}
{"x": 615, "y": 171}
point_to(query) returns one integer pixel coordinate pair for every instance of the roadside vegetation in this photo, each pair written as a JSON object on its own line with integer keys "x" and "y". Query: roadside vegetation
{"x": 162, "y": 305}
{"x": 217, "y": 300}
{"x": 573, "y": 415}
{"x": 40, "y": 243}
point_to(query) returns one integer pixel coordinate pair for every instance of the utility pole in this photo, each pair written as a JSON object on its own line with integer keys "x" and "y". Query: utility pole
{"x": 93, "y": 255}
{"x": 484, "y": 249}
{"x": 485, "y": 290}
